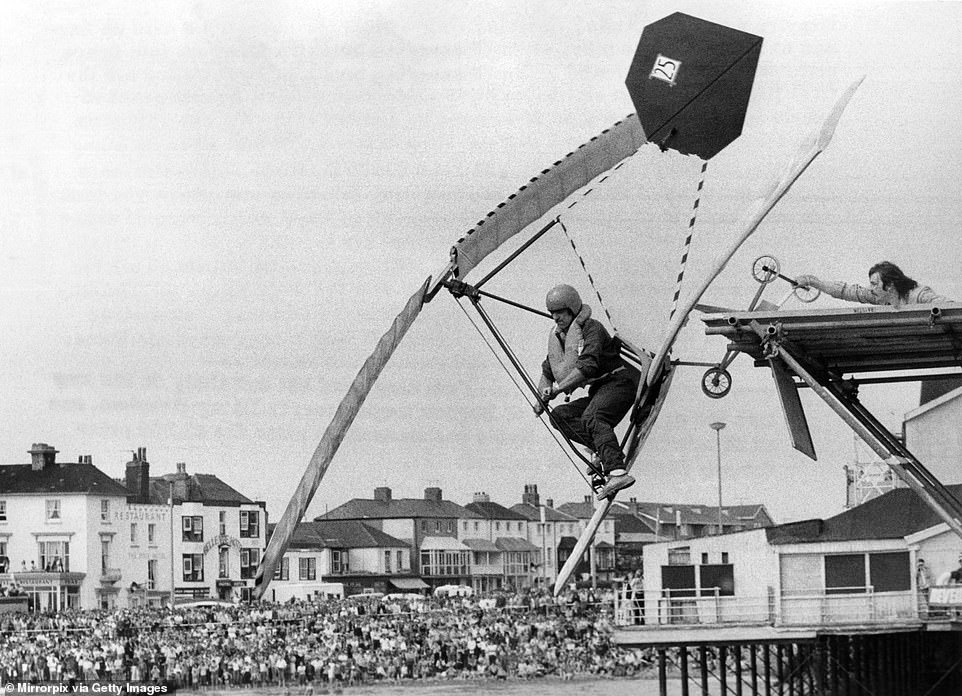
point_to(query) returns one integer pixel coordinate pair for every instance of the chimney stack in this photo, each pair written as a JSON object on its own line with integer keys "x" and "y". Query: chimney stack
{"x": 481, "y": 497}
{"x": 382, "y": 494}
{"x": 181, "y": 482}
{"x": 530, "y": 496}
{"x": 42, "y": 456}
{"x": 137, "y": 477}
{"x": 432, "y": 494}
{"x": 549, "y": 503}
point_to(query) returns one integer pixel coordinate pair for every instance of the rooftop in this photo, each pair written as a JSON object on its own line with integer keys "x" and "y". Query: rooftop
{"x": 894, "y": 515}
{"x": 341, "y": 534}
{"x": 58, "y": 478}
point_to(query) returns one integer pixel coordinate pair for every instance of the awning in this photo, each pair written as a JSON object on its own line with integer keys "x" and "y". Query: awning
{"x": 409, "y": 583}
{"x": 442, "y": 543}
{"x": 514, "y": 544}
{"x": 481, "y": 545}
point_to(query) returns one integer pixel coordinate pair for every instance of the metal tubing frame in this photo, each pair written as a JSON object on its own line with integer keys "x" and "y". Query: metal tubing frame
{"x": 517, "y": 252}
{"x": 874, "y": 434}
{"x": 524, "y": 375}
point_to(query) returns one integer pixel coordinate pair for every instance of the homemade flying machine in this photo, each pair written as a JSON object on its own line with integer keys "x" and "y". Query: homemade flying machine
{"x": 690, "y": 82}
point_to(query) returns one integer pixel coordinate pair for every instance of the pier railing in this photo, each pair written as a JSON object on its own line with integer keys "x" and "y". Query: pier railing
{"x": 843, "y": 605}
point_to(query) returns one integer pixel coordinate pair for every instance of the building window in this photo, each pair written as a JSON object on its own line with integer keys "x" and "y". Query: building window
{"x": 424, "y": 526}
{"x": 464, "y": 526}
{"x": 105, "y": 510}
{"x": 704, "y": 559}
{"x": 340, "y": 562}
{"x": 104, "y": 555}
{"x": 152, "y": 574}
{"x": 497, "y": 526}
{"x": 445, "y": 563}
{"x": 223, "y": 562}
{"x": 516, "y": 563}
{"x": 400, "y": 560}
{"x": 133, "y": 533}
{"x": 222, "y": 522}
{"x": 193, "y": 567}
{"x": 718, "y": 579}
{"x": 3, "y": 510}
{"x": 307, "y": 568}
{"x": 679, "y": 556}
{"x": 387, "y": 561}
{"x": 437, "y": 525}
{"x": 845, "y": 573}
{"x": 193, "y": 528}
{"x": 150, "y": 533}
{"x": 724, "y": 557}
{"x": 283, "y": 569}
{"x": 890, "y": 571}
{"x": 477, "y": 526}
{"x": 249, "y": 523}
{"x": 53, "y": 510}
{"x": 4, "y": 561}
{"x": 55, "y": 556}
{"x": 249, "y": 558}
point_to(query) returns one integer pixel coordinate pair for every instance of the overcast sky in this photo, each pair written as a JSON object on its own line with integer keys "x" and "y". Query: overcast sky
{"x": 211, "y": 211}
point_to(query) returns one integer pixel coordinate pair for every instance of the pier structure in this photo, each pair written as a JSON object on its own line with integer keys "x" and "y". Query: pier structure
{"x": 837, "y": 606}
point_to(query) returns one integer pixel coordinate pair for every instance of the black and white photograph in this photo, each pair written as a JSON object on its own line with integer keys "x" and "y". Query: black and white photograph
{"x": 454, "y": 348}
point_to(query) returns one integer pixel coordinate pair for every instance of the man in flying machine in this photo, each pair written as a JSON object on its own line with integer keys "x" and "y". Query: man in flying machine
{"x": 581, "y": 353}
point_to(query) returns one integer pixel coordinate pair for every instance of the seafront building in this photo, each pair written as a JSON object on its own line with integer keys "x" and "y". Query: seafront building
{"x": 71, "y": 537}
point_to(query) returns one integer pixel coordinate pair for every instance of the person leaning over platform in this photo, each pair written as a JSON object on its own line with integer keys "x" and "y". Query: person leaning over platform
{"x": 888, "y": 285}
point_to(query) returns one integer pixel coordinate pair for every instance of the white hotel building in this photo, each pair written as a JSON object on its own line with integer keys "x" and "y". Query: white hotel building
{"x": 72, "y": 537}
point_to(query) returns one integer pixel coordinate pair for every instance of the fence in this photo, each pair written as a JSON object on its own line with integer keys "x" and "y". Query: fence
{"x": 844, "y": 605}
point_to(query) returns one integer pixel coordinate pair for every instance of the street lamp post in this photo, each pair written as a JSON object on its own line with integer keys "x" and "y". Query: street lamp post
{"x": 170, "y": 512}
{"x": 717, "y": 427}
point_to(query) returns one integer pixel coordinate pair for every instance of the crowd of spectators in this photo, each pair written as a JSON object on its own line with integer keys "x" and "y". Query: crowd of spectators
{"x": 325, "y": 643}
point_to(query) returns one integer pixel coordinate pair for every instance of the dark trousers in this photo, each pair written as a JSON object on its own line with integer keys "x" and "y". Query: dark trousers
{"x": 591, "y": 420}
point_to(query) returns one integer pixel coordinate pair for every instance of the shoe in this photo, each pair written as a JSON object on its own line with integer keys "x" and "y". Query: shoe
{"x": 615, "y": 484}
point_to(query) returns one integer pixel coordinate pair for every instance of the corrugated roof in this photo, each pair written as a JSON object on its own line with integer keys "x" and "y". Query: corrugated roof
{"x": 514, "y": 544}
{"x": 480, "y": 545}
{"x": 341, "y": 534}
{"x": 669, "y": 513}
{"x": 894, "y": 515}
{"x": 59, "y": 478}
{"x": 582, "y": 511}
{"x": 414, "y": 508}
{"x": 442, "y": 543}
{"x": 631, "y": 524}
{"x": 533, "y": 514}
{"x": 494, "y": 511}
